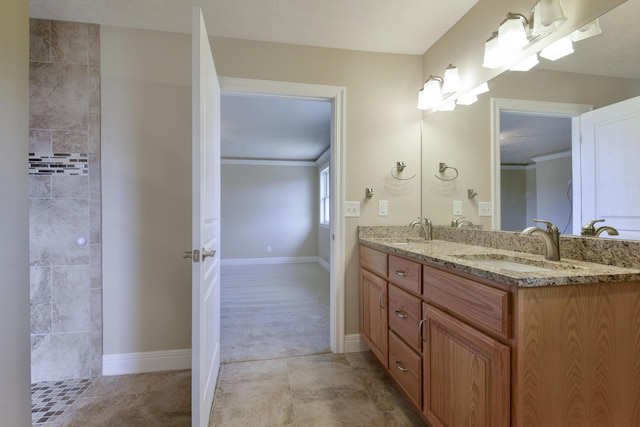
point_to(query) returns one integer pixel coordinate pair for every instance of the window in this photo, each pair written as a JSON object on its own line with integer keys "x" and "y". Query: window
{"x": 324, "y": 196}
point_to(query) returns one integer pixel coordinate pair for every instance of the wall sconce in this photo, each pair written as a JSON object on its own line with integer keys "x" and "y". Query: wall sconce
{"x": 435, "y": 88}
{"x": 550, "y": 12}
{"x": 512, "y": 35}
{"x": 558, "y": 49}
{"x": 589, "y": 30}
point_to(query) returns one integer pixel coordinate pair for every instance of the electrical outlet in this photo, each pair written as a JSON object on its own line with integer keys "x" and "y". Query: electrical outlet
{"x": 485, "y": 209}
{"x": 383, "y": 208}
{"x": 352, "y": 209}
{"x": 457, "y": 207}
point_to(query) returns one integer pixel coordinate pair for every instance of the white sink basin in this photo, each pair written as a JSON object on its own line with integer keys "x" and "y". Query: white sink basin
{"x": 517, "y": 263}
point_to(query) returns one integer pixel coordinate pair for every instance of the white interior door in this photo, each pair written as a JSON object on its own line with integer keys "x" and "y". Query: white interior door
{"x": 609, "y": 156}
{"x": 205, "y": 335}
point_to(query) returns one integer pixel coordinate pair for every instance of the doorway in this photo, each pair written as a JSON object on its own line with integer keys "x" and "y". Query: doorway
{"x": 336, "y": 97}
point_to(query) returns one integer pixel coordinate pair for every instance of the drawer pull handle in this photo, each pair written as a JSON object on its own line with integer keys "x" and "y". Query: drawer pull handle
{"x": 400, "y": 368}
{"x": 422, "y": 322}
{"x": 401, "y": 273}
{"x": 401, "y": 314}
{"x": 380, "y": 299}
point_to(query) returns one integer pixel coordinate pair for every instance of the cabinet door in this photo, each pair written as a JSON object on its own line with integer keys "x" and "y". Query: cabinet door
{"x": 373, "y": 309}
{"x": 466, "y": 374}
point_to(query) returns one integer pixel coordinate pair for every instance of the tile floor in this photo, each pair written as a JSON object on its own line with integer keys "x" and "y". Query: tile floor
{"x": 320, "y": 390}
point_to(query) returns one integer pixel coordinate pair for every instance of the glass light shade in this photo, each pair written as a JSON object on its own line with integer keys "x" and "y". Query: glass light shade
{"x": 538, "y": 27}
{"x": 589, "y": 30}
{"x": 551, "y": 11}
{"x": 511, "y": 35}
{"x": 449, "y": 106}
{"x": 493, "y": 56}
{"x": 451, "y": 82}
{"x": 483, "y": 88}
{"x": 432, "y": 93}
{"x": 422, "y": 101}
{"x": 558, "y": 49}
{"x": 526, "y": 64}
{"x": 467, "y": 99}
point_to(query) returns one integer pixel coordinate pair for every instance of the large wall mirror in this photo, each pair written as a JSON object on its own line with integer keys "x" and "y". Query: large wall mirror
{"x": 518, "y": 148}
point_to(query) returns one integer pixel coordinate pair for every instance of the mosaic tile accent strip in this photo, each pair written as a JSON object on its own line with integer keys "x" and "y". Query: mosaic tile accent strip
{"x": 50, "y": 399}
{"x": 58, "y": 164}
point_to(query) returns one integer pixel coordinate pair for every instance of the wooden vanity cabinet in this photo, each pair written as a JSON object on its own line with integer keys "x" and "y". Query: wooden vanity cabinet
{"x": 373, "y": 302}
{"x": 465, "y": 374}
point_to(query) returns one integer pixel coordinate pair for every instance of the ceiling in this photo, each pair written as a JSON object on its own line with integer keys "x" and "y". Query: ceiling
{"x": 397, "y": 26}
{"x": 523, "y": 136}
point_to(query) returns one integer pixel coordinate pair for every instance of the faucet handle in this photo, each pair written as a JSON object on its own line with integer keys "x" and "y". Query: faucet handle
{"x": 590, "y": 226}
{"x": 551, "y": 228}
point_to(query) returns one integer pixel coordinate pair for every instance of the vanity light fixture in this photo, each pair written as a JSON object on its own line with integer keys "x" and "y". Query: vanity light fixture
{"x": 551, "y": 12}
{"x": 589, "y": 30}
{"x": 526, "y": 64}
{"x": 436, "y": 88}
{"x": 451, "y": 82}
{"x": 512, "y": 35}
{"x": 558, "y": 49}
{"x": 539, "y": 27}
{"x": 449, "y": 106}
{"x": 472, "y": 97}
{"x": 493, "y": 56}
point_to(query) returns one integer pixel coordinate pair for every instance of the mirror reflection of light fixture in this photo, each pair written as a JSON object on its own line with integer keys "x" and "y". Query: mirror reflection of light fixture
{"x": 551, "y": 12}
{"x": 430, "y": 95}
{"x": 449, "y": 106}
{"x": 558, "y": 49}
{"x": 526, "y": 64}
{"x": 472, "y": 97}
{"x": 451, "y": 82}
{"x": 589, "y": 30}
{"x": 538, "y": 28}
{"x": 512, "y": 35}
{"x": 493, "y": 57}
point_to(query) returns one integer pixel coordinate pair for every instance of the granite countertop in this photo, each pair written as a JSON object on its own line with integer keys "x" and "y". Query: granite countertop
{"x": 479, "y": 261}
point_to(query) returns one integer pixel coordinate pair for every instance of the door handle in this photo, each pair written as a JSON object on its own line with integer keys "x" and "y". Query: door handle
{"x": 194, "y": 255}
{"x": 207, "y": 254}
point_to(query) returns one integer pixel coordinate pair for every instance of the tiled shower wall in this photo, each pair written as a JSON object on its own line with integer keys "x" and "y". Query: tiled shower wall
{"x": 65, "y": 198}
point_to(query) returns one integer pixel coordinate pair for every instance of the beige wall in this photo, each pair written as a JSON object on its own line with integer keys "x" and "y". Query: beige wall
{"x": 146, "y": 164}
{"x": 273, "y": 206}
{"x": 146, "y": 169}
{"x": 15, "y": 393}
{"x": 462, "y": 138}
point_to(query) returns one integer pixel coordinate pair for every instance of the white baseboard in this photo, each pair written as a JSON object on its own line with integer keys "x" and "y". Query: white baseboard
{"x": 151, "y": 361}
{"x": 354, "y": 344}
{"x": 274, "y": 260}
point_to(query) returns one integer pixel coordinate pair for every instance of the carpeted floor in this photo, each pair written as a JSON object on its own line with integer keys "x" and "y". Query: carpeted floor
{"x": 274, "y": 310}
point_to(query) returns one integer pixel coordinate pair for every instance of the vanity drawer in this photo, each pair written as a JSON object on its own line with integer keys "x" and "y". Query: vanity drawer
{"x": 468, "y": 299}
{"x": 373, "y": 260}
{"x": 405, "y": 273}
{"x": 404, "y": 316}
{"x": 405, "y": 366}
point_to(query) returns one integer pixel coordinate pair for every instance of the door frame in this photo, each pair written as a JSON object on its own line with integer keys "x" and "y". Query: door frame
{"x": 534, "y": 107}
{"x": 337, "y": 96}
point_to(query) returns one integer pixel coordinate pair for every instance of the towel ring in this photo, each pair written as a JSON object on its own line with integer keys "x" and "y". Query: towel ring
{"x": 443, "y": 167}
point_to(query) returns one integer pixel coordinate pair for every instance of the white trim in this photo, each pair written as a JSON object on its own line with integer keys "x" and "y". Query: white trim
{"x": 256, "y": 162}
{"x": 354, "y": 344}
{"x": 324, "y": 157}
{"x": 524, "y": 106}
{"x": 324, "y": 264}
{"x": 337, "y": 95}
{"x": 272, "y": 260}
{"x": 553, "y": 156}
{"x": 150, "y": 361}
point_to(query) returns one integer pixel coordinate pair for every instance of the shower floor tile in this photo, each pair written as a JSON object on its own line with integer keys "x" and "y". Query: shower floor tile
{"x": 50, "y": 399}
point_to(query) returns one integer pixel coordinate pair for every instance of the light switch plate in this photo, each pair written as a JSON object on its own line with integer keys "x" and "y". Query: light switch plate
{"x": 457, "y": 207}
{"x": 485, "y": 209}
{"x": 383, "y": 208}
{"x": 352, "y": 209}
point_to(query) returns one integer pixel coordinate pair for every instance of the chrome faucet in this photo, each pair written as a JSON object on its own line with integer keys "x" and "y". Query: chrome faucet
{"x": 426, "y": 225}
{"x": 589, "y": 230}
{"x": 461, "y": 222}
{"x": 551, "y": 238}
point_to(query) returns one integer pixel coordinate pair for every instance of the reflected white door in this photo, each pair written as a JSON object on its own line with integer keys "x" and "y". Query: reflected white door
{"x": 609, "y": 155}
{"x": 205, "y": 335}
